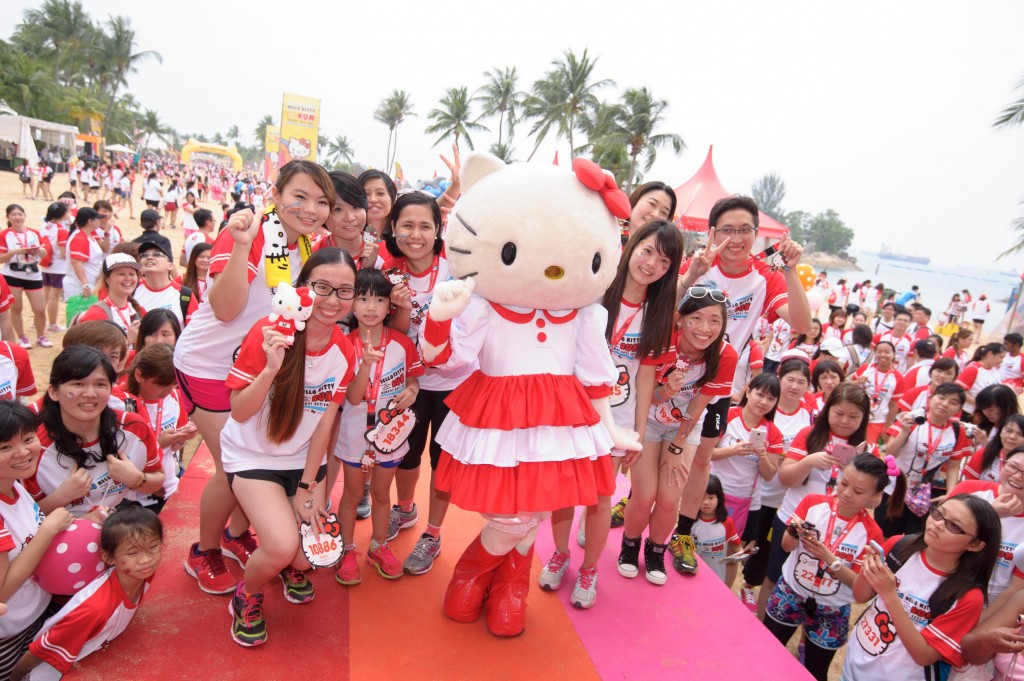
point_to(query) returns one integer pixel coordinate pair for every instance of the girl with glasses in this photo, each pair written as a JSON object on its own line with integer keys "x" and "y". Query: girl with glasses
{"x": 926, "y": 594}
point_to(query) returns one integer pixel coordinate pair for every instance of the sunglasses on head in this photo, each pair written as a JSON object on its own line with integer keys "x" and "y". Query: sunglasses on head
{"x": 698, "y": 292}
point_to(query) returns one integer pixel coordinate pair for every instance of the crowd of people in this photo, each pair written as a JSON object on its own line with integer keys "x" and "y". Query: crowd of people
{"x": 859, "y": 459}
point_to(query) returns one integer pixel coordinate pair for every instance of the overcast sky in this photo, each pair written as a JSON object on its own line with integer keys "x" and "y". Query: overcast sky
{"x": 880, "y": 111}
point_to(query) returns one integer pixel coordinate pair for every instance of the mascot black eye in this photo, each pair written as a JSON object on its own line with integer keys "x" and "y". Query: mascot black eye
{"x": 596, "y": 265}
{"x": 508, "y": 253}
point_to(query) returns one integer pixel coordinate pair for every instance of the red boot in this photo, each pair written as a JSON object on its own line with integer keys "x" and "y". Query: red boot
{"x": 467, "y": 589}
{"x": 506, "y": 604}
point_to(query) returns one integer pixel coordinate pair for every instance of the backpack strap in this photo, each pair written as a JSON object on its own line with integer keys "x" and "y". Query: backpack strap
{"x": 184, "y": 299}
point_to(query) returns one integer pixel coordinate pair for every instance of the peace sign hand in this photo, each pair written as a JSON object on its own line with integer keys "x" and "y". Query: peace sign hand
{"x": 454, "y": 167}
{"x": 701, "y": 263}
{"x": 370, "y": 354}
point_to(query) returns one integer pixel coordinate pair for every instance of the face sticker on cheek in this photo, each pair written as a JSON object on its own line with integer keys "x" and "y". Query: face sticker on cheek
{"x": 69, "y": 395}
{"x": 293, "y": 208}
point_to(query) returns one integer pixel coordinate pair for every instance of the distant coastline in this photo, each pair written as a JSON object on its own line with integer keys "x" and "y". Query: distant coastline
{"x": 827, "y": 261}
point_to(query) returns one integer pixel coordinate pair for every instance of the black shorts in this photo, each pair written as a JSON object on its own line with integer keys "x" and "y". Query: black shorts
{"x": 777, "y": 556}
{"x": 152, "y": 204}
{"x": 287, "y": 479}
{"x": 715, "y": 418}
{"x": 27, "y": 284}
{"x": 430, "y": 414}
{"x": 74, "y": 182}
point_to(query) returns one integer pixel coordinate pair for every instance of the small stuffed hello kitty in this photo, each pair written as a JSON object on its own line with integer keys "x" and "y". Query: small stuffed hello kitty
{"x": 530, "y": 432}
{"x": 291, "y": 308}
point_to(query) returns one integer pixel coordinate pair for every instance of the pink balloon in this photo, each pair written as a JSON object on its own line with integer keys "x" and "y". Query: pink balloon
{"x": 72, "y": 561}
{"x": 816, "y": 299}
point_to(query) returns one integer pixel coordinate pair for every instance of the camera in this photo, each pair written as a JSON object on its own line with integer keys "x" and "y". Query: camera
{"x": 918, "y": 415}
{"x": 970, "y": 429}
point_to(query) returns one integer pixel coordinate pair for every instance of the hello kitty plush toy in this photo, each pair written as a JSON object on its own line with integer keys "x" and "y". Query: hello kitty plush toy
{"x": 534, "y": 247}
{"x": 291, "y": 308}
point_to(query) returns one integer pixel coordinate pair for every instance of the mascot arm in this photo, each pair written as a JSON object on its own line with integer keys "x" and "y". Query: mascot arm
{"x": 454, "y": 343}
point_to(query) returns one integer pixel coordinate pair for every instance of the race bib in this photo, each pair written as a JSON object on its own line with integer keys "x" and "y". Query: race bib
{"x": 393, "y": 428}
{"x": 807, "y": 576}
{"x": 875, "y": 631}
{"x": 325, "y": 550}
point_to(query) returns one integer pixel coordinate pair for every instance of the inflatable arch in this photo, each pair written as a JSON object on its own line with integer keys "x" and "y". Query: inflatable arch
{"x": 194, "y": 147}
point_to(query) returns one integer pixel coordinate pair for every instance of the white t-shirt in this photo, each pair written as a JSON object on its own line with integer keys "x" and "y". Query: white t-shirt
{"x": 1011, "y": 550}
{"x": 789, "y": 425}
{"x": 671, "y": 411}
{"x": 151, "y": 191}
{"x": 162, "y": 415}
{"x": 1012, "y": 368}
{"x": 244, "y": 446}
{"x": 57, "y": 234}
{"x": 20, "y": 519}
{"x": 194, "y": 239}
{"x": 903, "y": 346}
{"x": 712, "y": 541}
{"x": 23, "y": 266}
{"x": 16, "y": 377}
{"x": 882, "y": 388}
{"x": 167, "y": 298}
{"x": 740, "y": 475}
{"x": 782, "y": 333}
{"x": 817, "y": 480}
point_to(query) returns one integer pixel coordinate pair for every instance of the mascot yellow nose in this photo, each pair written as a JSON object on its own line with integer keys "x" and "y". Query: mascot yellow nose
{"x": 554, "y": 272}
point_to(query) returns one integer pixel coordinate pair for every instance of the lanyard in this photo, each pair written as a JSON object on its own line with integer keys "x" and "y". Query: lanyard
{"x": 403, "y": 267}
{"x": 23, "y": 242}
{"x": 127, "y": 321}
{"x": 834, "y": 513}
{"x": 158, "y": 424}
{"x": 885, "y": 379}
{"x": 373, "y": 387}
{"x": 618, "y": 335}
{"x": 931, "y": 446}
{"x": 833, "y": 479}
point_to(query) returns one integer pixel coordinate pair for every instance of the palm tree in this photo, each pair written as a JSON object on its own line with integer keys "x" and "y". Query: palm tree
{"x": 261, "y": 129}
{"x": 500, "y": 95}
{"x": 340, "y": 150}
{"x": 545, "y": 106}
{"x": 392, "y": 112}
{"x": 502, "y": 151}
{"x": 232, "y": 135}
{"x": 119, "y": 57}
{"x": 453, "y": 118}
{"x": 634, "y": 125}
{"x": 606, "y": 150}
{"x": 27, "y": 85}
{"x": 61, "y": 33}
{"x": 150, "y": 125}
{"x": 84, "y": 109}
{"x": 1012, "y": 115}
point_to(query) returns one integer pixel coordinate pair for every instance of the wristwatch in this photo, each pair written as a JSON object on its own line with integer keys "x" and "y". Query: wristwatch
{"x": 308, "y": 486}
{"x": 836, "y": 565}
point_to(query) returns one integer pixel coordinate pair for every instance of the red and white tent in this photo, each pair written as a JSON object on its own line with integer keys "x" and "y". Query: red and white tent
{"x": 696, "y": 197}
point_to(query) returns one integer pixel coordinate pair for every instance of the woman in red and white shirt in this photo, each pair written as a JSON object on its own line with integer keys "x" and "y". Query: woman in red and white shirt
{"x": 54, "y": 264}
{"x": 85, "y": 257}
{"x": 986, "y": 464}
{"x": 117, "y": 303}
{"x": 982, "y": 372}
{"x": 957, "y": 346}
{"x": 285, "y": 396}
{"x": 21, "y": 249}
{"x": 884, "y": 386}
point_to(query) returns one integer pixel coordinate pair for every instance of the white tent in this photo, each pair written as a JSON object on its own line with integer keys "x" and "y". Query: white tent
{"x": 23, "y": 131}
{"x": 119, "y": 149}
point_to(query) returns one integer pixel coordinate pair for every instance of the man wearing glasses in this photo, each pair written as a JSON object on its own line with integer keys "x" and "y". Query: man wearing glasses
{"x": 754, "y": 290}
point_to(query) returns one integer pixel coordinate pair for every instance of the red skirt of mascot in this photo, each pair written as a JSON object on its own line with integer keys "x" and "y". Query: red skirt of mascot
{"x": 530, "y": 431}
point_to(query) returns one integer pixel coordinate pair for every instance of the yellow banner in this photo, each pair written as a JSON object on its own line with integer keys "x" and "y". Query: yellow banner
{"x": 300, "y": 127}
{"x": 273, "y": 139}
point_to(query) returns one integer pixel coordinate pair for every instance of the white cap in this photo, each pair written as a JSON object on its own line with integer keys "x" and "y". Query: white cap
{"x": 832, "y": 346}
{"x": 795, "y": 354}
{"x": 116, "y": 260}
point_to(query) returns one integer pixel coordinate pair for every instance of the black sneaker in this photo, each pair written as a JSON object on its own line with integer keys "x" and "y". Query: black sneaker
{"x": 654, "y": 562}
{"x": 629, "y": 557}
{"x": 248, "y": 628}
{"x": 363, "y": 509}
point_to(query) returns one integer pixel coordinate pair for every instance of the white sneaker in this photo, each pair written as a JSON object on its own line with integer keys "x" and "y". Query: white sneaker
{"x": 581, "y": 534}
{"x": 749, "y": 598}
{"x": 584, "y": 594}
{"x": 551, "y": 576}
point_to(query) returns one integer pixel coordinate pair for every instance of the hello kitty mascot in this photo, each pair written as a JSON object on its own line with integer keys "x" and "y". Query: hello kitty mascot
{"x": 534, "y": 247}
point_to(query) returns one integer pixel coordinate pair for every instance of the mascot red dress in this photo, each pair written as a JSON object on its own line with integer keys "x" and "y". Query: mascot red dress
{"x": 534, "y": 247}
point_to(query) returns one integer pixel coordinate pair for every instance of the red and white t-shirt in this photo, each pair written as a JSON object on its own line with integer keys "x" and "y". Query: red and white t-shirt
{"x": 979, "y": 309}
{"x": 671, "y": 412}
{"x": 782, "y": 334}
{"x": 16, "y": 377}
{"x": 85, "y": 249}
{"x": 839, "y": 296}
{"x": 55, "y": 241}
{"x": 973, "y": 468}
{"x": 1012, "y": 536}
{"x": 93, "y": 617}
{"x": 167, "y": 298}
{"x": 624, "y": 345}
{"x": 876, "y": 651}
{"x": 713, "y": 541}
{"x": 194, "y": 239}
{"x": 740, "y": 475}
{"x": 789, "y": 426}
{"x": 751, "y": 358}
{"x": 917, "y": 375}
{"x": 115, "y": 236}
{"x": 208, "y": 347}
{"x": 915, "y": 398}
{"x": 138, "y": 444}
{"x": 401, "y": 361}
{"x": 882, "y": 387}
{"x": 830, "y": 331}
{"x": 929, "y": 447}
{"x": 756, "y": 292}
{"x": 847, "y": 540}
{"x": 903, "y": 344}
{"x": 1011, "y": 371}
{"x": 962, "y": 358}
{"x": 162, "y": 415}
{"x": 974, "y": 378}
{"x": 26, "y": 265}
{"x": 123, "y": 317}
{"x": 20, "y": 519}
{"x": 244, "y": 446}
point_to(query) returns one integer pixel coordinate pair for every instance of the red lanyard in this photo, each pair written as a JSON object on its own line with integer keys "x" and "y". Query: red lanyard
{"x": 885, "y": 379}
{"x": 618, "y": 335}
{"x": 834, "y": 508}
{"x": 403, "y": 267}
{"x": 158, "y": 424}
{"x": 18, "y": 237}
{"x": 373, "y": 387}
{"x": 932, "y": 445}
{"x": 126, "y": 321}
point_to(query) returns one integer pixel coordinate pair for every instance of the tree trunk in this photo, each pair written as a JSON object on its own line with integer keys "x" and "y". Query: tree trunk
{"x": 632, "y": 171}
{"x": 110, "y": 111}
{"x": 501, "y": 123}
{"x": 571, "y": 145}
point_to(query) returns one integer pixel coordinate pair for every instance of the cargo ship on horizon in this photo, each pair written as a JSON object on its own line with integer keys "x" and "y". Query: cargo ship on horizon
{"x": 886, "y": 253}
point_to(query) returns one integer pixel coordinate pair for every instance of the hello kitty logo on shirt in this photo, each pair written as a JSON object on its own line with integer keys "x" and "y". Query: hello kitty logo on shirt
{"x": 317, "y": 397}
{"x": 392, "y": 382}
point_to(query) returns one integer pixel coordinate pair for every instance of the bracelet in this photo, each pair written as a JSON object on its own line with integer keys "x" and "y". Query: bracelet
{"x": 141, "y": 482}
{"x": 674, "y": 449}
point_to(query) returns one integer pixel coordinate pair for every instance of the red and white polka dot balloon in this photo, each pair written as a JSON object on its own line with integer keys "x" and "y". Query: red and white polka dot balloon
{"x": 73, "y": 559}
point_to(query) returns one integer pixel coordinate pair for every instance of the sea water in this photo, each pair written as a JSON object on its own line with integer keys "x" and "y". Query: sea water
{"x": 937, "y": 283}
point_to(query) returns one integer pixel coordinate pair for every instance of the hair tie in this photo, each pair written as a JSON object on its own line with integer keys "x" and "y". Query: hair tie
{"x": 891, "y": 469}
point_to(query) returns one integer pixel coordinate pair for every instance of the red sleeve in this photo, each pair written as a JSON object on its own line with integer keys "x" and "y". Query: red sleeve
{"x": 414, "y": 367}
{"x": 860, "y": 370}
{"x": 962, "y": 446}
{"x": 221, "y": 253}
{"x": 63, "y": 643}
{"x": 721, "y": 384}
{"x": 804, "y": 506}
{"x": 897, "y": 392}
{"x": 140, "y": 428}
{"x": 949, "y": 353}
{"x": 891, "y": 542}
{"x": 78, "y": 247}
{"x": 972, "y": 486}
{"x": 775, "y": 440}
{"x": 798, "y": 447}
{"x": 731, "y": 536}
{"x": 4, "y": 248}
{"x": 776, "y": 295}
{"x": 874, "y": 535}
{"x": 906, "y": 402}
{"x": 350, "y": 358}
{"x": 26, "y": 379}
{"x": 6, "y": 540}
{"x": 876, "y": 339}
{"x": 251, "y": 358}
{"x": 95, "y": 313}
{"x": 968, "y": 376}
{"x": 668, "y": 356}
{"x": 62, "y": 236}
{"x": 193, "y": 305}
{"x": 946, "y": 631}
{"x": 756, "y": 356}
{"x": 972, "y": 469}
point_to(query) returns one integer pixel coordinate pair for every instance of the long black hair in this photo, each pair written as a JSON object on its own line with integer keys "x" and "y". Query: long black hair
{"x": 997, "y": 395}
{"x": 713, "y": 352}
{"x": 995, "y": 445}
{"x": 849, "y": 393}
{"x": 73, "y": 364}
{"x": 975, "y": 567}
{"x": 656, "y": 330}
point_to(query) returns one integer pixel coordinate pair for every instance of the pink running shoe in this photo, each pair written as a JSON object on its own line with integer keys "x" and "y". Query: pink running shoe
{"x": 384, "y": 560}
